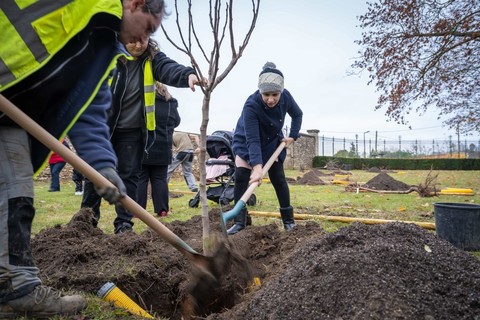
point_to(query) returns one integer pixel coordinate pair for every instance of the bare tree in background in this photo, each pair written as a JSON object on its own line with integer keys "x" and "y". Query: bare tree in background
{"x": 222, "y": 29}
{"x": 423, "y": 54}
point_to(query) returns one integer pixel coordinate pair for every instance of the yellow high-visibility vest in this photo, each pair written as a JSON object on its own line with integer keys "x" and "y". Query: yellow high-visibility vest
{"x": 149, "y": 95}
{"x": 30, "y": 40}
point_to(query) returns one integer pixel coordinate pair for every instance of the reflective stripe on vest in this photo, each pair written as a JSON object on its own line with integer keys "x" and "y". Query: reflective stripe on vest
{"x": 33, "y": 32}
{"x": 149, "y": 95}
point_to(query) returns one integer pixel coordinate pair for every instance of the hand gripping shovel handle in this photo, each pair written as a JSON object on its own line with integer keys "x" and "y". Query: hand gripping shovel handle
{"x": 243, "y": 200}
{"x": 97, "y": 179}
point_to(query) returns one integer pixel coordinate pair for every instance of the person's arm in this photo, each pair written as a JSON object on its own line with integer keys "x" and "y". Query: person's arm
{"x": 170, "y": 72}
{"x": 174, "y": 74}
{"x": 90, "y": 138}
{"x": 196, "y": 142}
{"x": 296, "y": 115}
{"x": 252, "y": 135}
{"x": 90, "y": 134}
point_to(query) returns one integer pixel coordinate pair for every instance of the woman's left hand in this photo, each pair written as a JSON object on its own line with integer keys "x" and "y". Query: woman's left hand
{"x": 288, "y": 141}
{"x": 194, "y": 81}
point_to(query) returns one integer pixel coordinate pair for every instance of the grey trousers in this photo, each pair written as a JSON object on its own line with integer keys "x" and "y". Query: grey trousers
{"x": 18, "y": 274}
{"x": 186, "y": 160}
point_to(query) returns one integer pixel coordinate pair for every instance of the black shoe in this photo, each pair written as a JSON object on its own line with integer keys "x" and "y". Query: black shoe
{"x": 194, "y": 190}
{"x": 236, "y": 228}
{"x": 288, "y": 226}
{"x": 249, "y": 220}
{"x": 123, "y": 228}
{"x": 53, "y": 190}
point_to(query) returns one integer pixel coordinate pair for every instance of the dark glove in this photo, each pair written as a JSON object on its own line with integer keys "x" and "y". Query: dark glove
{"x": 111, "y": 194}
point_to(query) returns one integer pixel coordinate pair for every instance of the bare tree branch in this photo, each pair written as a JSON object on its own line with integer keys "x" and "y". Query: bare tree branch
{"x": 423, "y": 55}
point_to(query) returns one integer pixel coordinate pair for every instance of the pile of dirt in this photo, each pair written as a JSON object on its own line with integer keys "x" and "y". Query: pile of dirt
{"x": 310, "y": 178}
{"x": 313, "y": 178}
{"x": 383, "y": 181}
{"x": 364, "y": 272}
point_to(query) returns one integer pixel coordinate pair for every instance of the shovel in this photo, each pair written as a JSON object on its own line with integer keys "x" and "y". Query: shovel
{"x": 206, "y": 264}
{"x": 251, "y": 188}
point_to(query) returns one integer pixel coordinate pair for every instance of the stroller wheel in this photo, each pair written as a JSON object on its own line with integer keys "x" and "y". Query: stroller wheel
{"x": 193, "y": 203}
{"x": 252, "y": 200}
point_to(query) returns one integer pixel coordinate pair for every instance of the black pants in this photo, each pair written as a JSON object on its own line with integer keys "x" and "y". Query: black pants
{"x": 77, "y": 178}
{"x": 157, "y": 175}
{"x": 277, "y": 178}
{"x": 128, "y": 146}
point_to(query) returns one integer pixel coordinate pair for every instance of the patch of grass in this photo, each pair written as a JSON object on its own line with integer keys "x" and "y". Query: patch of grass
{"x": 57, "y": 208}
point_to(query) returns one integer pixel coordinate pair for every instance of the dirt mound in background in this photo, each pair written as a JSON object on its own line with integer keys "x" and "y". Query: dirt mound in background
{"x": 364, "y": 272}
{"x": 383, "y": 181}
{"x": 312, "y": 178}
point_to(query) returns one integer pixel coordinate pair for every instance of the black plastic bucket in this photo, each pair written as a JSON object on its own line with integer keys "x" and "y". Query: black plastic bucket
{"x": 459, "y": 224}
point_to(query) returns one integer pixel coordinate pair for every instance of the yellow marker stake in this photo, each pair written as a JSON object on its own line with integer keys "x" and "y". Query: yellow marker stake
{"x": 110, "y": 292}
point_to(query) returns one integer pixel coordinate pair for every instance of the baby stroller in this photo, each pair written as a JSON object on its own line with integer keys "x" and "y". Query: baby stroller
{"x": 220, "y": 170}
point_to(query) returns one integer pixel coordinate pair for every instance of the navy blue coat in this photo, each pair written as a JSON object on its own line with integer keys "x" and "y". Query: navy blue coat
{"x": 259, "y": 129}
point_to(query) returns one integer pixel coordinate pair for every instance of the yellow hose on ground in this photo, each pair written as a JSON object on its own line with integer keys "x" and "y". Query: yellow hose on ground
{"x": 299, "y": 216}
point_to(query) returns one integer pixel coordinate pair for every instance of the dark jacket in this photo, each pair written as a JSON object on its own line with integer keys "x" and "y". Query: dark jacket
{"x": 61, "y": 104}
{"x": 259, "y": 128}
{"x": 165, "y": 70}
{"x": 159, "y": 143}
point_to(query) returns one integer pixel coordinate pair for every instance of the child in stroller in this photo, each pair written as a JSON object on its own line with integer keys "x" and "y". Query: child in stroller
{"x": 220, "y": 170}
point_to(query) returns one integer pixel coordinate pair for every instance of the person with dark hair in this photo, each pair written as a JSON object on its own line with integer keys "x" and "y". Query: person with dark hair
{"x": 257, "y": 135}
{"x": 55, "y": 58}
{"x": 159, "y": 155}
{"x": 133, "y": 115}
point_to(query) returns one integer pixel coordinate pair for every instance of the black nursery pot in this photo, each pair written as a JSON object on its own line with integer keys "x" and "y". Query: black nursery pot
{"x": 459, "y": 224}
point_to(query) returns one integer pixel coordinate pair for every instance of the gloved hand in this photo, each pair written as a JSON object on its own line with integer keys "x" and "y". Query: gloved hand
{"x": 111, "y": 194}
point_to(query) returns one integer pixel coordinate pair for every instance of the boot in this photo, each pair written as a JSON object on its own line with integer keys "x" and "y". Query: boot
{"x": 43, "y": 302}
{"x": 287, "y": 218}
{"x": 249, "y": 219}
{"x": 240, "y": 222}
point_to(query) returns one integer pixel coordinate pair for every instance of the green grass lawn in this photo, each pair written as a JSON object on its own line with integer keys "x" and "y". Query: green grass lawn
{"x": 58, "y": 207}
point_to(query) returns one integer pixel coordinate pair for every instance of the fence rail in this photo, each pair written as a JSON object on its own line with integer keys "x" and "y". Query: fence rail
{"x": 369, "y": 148}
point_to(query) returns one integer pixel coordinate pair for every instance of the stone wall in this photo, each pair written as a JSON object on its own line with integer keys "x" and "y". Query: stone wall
{"x": 301, "y": 153}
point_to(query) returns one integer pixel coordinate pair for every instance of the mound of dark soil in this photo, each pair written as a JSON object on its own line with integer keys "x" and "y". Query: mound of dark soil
{"x": 390, "y": 271}
{"x": 312, "y": 178}
{"x": 383, "y": 181}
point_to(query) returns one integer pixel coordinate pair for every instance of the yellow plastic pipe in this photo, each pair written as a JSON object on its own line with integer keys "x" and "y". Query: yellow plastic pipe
{"x": 299, "y": 216}
{"x": 110, "y": 292}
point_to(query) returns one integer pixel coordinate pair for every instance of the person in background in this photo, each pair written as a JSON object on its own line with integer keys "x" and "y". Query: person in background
{"x": 184, "y": 152}
{"x": 257, "y": 135}
{"x": 56, "y": 166}
{"x": 133, "y": 114}
{"x": 55, "y": 58}
{"x": 159, "y": 155}
{"x": 78, "y": 178}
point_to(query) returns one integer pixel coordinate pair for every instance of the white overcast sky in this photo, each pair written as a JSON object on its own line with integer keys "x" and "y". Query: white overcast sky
{"x": 312, "y": 43}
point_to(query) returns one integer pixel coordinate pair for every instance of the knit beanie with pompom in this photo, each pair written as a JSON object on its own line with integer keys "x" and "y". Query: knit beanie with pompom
{"x": 270, "y": 79}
